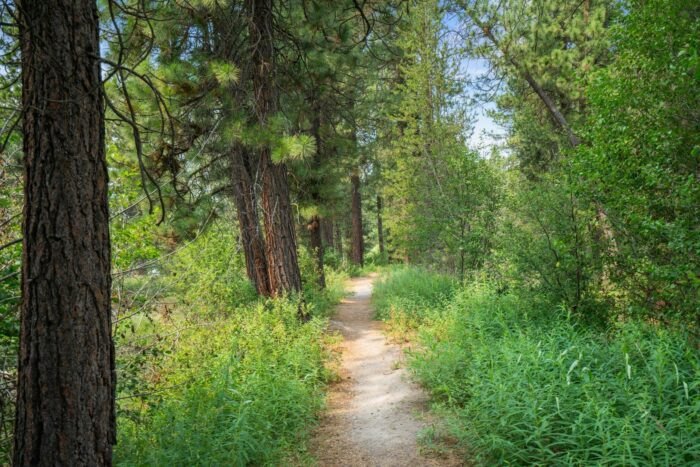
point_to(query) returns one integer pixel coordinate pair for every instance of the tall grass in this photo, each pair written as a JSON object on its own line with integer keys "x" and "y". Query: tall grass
{"x": 238, "y": 391}
{"x": 223, "y": 378}
{"x": 406, "y": 298}
{"x": 520, "y": 384}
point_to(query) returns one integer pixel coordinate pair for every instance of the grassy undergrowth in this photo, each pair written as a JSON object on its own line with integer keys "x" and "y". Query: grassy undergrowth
{"x": 222, "y": 378}
{"x": 408, "y": 298}
{"x": 521, "y": 384}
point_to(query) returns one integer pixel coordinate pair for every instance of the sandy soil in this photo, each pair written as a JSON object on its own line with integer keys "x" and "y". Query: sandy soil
{"x": 374, "y": 412}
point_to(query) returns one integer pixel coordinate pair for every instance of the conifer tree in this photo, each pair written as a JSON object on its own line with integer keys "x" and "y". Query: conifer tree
{"x": 441, "y": 197}
{"x": 280, "y": 235}
{"x": 545, "y": 50}
{"x": 66, "y": 390}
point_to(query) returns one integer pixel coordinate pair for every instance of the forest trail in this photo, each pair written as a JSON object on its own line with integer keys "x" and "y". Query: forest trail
{"x": 375, "y": 412}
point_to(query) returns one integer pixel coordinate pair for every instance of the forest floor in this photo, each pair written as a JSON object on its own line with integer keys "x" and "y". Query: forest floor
{"x": 375, "y": 412}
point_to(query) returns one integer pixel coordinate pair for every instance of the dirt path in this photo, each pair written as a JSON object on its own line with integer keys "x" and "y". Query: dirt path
{"x": 374, "y": 413}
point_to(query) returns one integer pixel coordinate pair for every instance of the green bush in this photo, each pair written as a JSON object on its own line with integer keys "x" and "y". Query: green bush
{"x": 530, "y": 388}
{"x": 406, "y": 298}
{"x": 239, "y": 391}
{"x": 225, "y": 379}
{"x": 412, "y": 290}
{"x": 546, "y": 247}
{"x": 209, "y": 275}
{"x": 522, "y": 384}
{"x": 641, "y": 158}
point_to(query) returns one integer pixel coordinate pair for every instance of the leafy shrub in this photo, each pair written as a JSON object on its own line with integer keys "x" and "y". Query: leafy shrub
{"x": 209, "y": 274}
{"x": 332, "y": 258}
{"x": 530, "y": 387}
{"x": 641, "y": 158}
{"x": 236, "y": 391}
{"x": 224, "y": 378}
{"x": 546, "y": 246}
{"x": 320, "y": 301}
{"x": 411, "y": 289}
{"x": 374, "y": 257}
{"x": 407, "y": 297}
{"x": 522, "y": 385}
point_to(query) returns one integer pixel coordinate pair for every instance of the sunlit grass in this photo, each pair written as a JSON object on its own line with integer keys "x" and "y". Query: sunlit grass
{"x": 526, "y": 386}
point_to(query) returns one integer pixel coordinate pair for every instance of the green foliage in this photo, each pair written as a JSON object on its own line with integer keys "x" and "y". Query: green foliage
{"x": 10, "y": 259}
{"x": 406, "y": 298}
{"x": 557, "y": 43}
{"x": 641, "y": 160}
{"x": 545, "y": 245}
{"x": 295, "y": 147}
{"x": 320, "y": 301}
{"x": 374, "y": 257}
{"x": 134, "y": 234}
{"x": 237, "y": 391}
{"x": 11, "y": 198}
{"x": 521, "y": 385}
{"x": 440, "y": 196}
{"x": 224, "y": 73}
{"x": 208, "y": 275}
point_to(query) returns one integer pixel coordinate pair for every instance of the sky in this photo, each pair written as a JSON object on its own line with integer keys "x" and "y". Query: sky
{"x": 484, "y": 126}
{"x": 472, "y": 67}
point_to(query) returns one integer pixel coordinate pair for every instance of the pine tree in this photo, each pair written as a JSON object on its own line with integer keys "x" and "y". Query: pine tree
{"x": 65, "y": 396}
{"x": 440, "y": 196}
{"x": 280, "y": 236}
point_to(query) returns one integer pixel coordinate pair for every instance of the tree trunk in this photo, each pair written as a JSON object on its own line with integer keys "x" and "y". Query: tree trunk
{"x": 339, "y": 240}
{"x": 357, "y": 243}
{"x": 280, "y": 247}
{"x": 66, "y": 386}
{"x": 247, "y": 210}
{"x": 316, "y": 180}
{"x": 380, "y": 227}
{"x": 314, "y": 228}
{"x": 327, "y": 232}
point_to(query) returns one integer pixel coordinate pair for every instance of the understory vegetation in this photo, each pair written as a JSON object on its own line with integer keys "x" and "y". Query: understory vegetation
{"x": 562, "y": 325}
{"x": 521, "y": 383}
{"x": 212, "y": 375}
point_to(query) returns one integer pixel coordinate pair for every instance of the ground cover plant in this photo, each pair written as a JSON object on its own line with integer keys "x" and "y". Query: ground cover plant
{"x": 519, "y": 386}
{"x": 212, "y": 375}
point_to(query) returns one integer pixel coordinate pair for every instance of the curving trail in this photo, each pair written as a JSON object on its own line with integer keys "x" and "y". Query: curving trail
{"x": 374, "y": 412}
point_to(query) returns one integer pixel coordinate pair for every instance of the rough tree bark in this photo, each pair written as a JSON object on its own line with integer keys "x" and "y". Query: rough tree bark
{"x": 357, "y": 242}
{"x": 66, "y": 387}
{"x": 245, "y": 167}
{"x": 248, "y": 221}
{"x": 280, "y": 240}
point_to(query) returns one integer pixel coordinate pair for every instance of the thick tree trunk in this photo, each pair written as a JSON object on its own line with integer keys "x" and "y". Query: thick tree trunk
{"x": 314, "y": 228}
{"x": 281, "y": 249}
{"x": 380, "y": 227}
{"x": 66, "y": 387}
{"x": 249, "y": 224}
{"x": 357, "y": 242}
